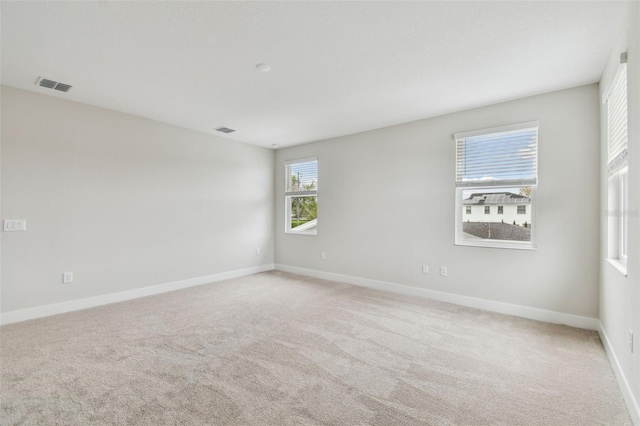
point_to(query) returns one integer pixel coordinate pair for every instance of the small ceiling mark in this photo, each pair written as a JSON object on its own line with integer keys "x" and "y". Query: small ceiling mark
{"x": 224, "y": 129}
{"x": 263, "y": 67}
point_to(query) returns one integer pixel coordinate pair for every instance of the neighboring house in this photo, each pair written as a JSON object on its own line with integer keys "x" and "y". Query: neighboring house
{"x": 497, "y": 207}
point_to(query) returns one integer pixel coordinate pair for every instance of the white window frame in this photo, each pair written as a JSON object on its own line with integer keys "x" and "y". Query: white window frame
{"x": 623, "y": 206}
{"x": 288, "y": 198}
{"x": 617, "y": 166}
{"x": 459, "y": 219}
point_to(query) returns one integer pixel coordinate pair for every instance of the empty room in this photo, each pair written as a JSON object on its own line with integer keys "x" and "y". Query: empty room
{"x": 320, "y": 213}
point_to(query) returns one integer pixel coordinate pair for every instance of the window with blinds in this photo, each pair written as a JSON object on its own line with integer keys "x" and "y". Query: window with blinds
{"x": 617, "y": 138}
{"x": 301, "y": 177}
{"x": 497, "y": 171}
{"x": 617, "y": 141}
{"x": 508, "y": 157}
{"x": 301, "y": 196}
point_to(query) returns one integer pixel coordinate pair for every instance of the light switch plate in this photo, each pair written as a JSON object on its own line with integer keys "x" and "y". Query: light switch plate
{"x": 11, "y": 225}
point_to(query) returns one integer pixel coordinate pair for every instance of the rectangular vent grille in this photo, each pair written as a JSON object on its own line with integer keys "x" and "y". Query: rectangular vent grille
{"x": 225, "y": 130}
{"x": 50, "y": 84}
{"x": 62, "y": 87}
{"x": 47, "y": 83}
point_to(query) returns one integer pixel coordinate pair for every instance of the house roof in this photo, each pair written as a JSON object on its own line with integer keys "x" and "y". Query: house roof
{"x": 492, "y": 198}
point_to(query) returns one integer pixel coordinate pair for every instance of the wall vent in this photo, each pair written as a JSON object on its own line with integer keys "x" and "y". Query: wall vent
{"x": 225, "y": 130}
{"x": 50, "y": 84}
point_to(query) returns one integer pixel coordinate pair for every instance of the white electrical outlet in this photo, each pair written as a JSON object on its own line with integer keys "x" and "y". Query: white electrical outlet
{"x": 15, "y": 225}
{"x": 630, "y": 341}
{"x": 443, "y": 271}
{"x": 323, "y": 256}
{"x": 257, "y": 252}
{"x": 67, "y": 277}
{"x": 425, "y": 269}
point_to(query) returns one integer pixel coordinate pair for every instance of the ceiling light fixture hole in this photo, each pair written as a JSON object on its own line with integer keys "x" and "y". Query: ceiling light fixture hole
{"x": 263, "y": 67}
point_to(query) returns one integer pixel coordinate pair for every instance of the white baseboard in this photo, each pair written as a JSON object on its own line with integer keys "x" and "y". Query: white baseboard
{"x": 627, "y": 393}
{"x": 457, "y": 299}
{"x": 76, "y": 305}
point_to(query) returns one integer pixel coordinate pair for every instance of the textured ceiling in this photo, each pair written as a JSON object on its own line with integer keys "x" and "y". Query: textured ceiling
{"x": 336, "y": 67}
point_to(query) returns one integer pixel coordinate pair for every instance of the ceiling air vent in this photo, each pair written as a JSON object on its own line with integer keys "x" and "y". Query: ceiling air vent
{"x": 50, "y": 84}
{"x": 225, "y": 130}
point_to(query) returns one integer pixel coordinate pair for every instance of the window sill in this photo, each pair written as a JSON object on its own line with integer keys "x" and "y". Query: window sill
{"x": 301, "y": 233}
{"x": 620, "y": 266}
{"x": 498, "y": 245}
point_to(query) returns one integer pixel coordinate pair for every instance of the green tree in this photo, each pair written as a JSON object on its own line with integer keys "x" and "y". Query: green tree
{"x": 525, "y": 191}
{"x": 304, "y": 208}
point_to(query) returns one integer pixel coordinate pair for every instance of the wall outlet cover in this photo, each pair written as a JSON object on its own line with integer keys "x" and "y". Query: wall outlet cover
{"x": 11, "y": 225}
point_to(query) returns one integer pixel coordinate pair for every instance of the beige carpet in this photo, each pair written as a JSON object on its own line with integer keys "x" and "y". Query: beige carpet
{"x": 280, "y": 349}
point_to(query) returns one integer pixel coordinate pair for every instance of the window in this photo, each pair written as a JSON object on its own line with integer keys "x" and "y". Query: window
{"x": 497, "y": 167}
{"x": 301, "y": 196}
{"x": 468, "y": 209}
{"x": 617, "y": 142}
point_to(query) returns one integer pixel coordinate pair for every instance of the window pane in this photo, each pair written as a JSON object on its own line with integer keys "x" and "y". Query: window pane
{"x": 623, "y": 214}
{"x": 509, "y": 220}
{"x": 617, "y": 129}
{"x": 503, "y": 156}
{"x": 303, "y": 213}
{"x": 301, "y": 177}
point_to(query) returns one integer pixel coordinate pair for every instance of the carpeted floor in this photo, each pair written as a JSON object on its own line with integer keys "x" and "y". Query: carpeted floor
{"x": 280, "y": 349}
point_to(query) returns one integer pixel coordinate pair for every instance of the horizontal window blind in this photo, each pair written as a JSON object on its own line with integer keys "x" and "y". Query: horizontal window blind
{"x": 617, "y": 138}
{"x": 498, "y": 158}
{"x": 301, "y": 177}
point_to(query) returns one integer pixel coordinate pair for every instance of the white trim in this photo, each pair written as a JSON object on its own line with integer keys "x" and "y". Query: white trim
{"x": 616, "y": 263}
{"x": 301, "y": 193}
{"x": 500, "y": 129}
{"x": 496, "y": 183}
{"x": 625, "y": 388}
{"x": 498, "y": 244}
{"x": 457, "y": 299}
{"x": 105, "y": 299}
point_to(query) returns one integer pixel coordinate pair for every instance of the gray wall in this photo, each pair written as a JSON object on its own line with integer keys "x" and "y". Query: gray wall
{"x": 619, "y": 295}
{"x": 386, "y": 206}
{"x": 123, "y": 202}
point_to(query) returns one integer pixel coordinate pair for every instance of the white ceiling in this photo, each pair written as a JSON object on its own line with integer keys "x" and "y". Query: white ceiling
{"x": 336, "y": 67}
